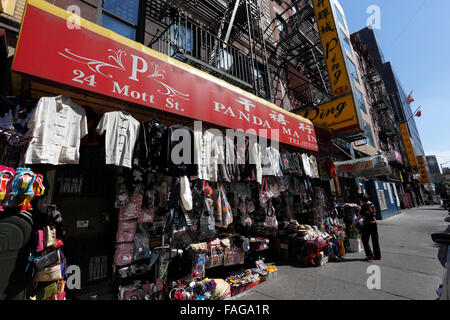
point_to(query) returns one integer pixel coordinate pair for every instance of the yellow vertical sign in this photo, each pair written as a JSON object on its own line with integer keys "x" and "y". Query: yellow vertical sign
{"x": 408, "y": 145}
{"x": 332, "y": 49}
{"x": 422, "y": 169}
{"x": 8, "y": 6}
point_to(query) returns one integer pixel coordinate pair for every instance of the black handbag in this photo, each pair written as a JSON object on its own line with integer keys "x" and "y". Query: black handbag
{"x": 47, "y": 260}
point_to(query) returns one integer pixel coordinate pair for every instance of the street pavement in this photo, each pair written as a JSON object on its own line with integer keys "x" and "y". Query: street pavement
{"x": 409, "y": 266}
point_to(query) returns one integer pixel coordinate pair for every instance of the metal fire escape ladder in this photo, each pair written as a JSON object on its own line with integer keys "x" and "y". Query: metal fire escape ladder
{"x": 318, "y": 69}
{"x": 222, "y": 26}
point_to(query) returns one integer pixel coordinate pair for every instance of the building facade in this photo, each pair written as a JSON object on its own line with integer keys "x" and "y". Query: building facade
{"x": 433, "y": 165}
{"x": 398, "y": 96}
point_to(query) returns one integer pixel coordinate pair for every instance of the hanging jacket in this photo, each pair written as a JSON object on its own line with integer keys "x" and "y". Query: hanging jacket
{"x": 148, "y": 149}
{"x": 227, "y": 164}
{"x": 177, "y": 155}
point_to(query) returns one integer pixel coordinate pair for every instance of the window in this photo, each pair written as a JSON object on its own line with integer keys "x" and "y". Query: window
{"x": 121, "y": 16}
{"x": 345, "y": 41}
{"x": 182, "y": 39}
{"x": 352, "y": 70}
{"x": 382, "y": 200}
{"x": 281, "y": 24}
{"x": 369, "y": 135}
{"x": 340, "y": 16}
{"x": 360, "y": 101}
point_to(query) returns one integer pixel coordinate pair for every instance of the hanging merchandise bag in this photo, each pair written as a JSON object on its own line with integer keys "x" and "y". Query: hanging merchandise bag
{"x": 271, "y": 221}
{"x": 227, "y": 213}
{"x": 264, "y": 195}
{"x": 50, "y": 237}
{"x": 207, "y": 221}
{"x": 48, "y": 274}
{"x": 39, "y": 241}
{"x": 47, "y": 260}
{"x": 185, "y": 193}
{"x": 141, "y": 246}
{"x": 124, "y": 254}
{"x": 126, "y": 231}
{"x": 219, "y": 217}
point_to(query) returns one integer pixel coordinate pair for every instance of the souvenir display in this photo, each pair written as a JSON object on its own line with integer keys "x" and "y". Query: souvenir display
{"x": 219, "y": 205}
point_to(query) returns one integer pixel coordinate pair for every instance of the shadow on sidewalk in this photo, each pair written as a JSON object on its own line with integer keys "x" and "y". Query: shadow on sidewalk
{"x": 343, "y": 260}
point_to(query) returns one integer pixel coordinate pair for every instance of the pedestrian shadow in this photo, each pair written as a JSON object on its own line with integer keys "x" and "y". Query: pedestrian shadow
{"x": 344, "y": 260}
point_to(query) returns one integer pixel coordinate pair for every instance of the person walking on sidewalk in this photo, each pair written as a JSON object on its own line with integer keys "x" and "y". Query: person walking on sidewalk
{"x": 370, "y": 228}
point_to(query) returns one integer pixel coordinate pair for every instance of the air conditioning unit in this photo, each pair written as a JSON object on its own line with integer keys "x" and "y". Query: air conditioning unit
{"x": 8, "y": 6}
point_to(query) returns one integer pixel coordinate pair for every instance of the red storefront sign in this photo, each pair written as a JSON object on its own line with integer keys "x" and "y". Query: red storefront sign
{"x": 92, "y": 58}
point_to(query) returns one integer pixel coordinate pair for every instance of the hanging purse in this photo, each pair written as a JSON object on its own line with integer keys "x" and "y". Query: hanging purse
{"x": 124, "y": 254}
{"x": 207, "y": 221}
{"x": 227, "y": 213}
{"x": 47, "y": 292}
{"x": 48, "y": 274}
{"x": 271, "y": 221}
{"x": 219, "y": 217}
{"x": 264, "y": 195}
{"x": 185, "y": 193}
{"x": 49, "y": 237}
{"x": 47, "y": 260}
{"x": 39, "y": 241}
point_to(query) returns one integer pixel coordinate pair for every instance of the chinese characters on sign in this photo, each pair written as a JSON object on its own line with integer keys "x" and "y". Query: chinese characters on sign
{"x": 332, "y": 47}
{"x": 97, "y": 60}
{"x": 339, "y": 115}
{"x": 408, "y": 145}
{"x": 423, "y": 169}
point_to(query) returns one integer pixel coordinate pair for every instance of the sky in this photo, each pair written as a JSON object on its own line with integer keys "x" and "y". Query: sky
{"x": 414, "y": 37}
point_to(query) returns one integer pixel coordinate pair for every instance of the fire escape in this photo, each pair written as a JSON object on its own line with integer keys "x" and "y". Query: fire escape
{"x": 222, "y": 38}
{"x": 381, "y": 109}
{"x": 298, "y": 69}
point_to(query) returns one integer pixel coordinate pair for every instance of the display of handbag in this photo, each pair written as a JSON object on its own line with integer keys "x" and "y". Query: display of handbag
{"x": 39, "y": 241}
{"x": 50, "y": 237}
{"x": 265, "y": 194}
{"x": 46, "y": 292}
{"x": 126, "y": 231}
{"x": 186, "y": 194}
{"x": 227, "y": 213}
{"x": 48, "y": 274}
{"x": 60, "y": 294}
{"x": 141, "y": 246}
{"x": 124, "y": 254}
{"x": 215, "y": 258}
{"x": 47, "y": 260}
{"x": 274, "y": 187}
{"x": 271, "y": 221}
{"x": 207, "y": 220}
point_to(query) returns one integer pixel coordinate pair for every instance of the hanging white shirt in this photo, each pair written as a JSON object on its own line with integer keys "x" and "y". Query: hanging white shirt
{"x": 121, "y": 134}
{"x": 307, "y": 165}
{"x": 256, "y": 149}
{"x": 207, "y": 155}
{"x": 56, "y": 125}
{"x": 271, "y": 163}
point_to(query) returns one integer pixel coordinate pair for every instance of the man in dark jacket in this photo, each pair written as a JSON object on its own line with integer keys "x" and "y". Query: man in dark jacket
{"x": 370, "y": 229}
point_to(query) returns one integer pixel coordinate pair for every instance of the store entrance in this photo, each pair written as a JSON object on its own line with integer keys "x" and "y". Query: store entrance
{"x": 84, "y": 194}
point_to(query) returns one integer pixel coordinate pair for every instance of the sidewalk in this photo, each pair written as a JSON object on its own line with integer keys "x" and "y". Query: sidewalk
{"x": 409, "y": 266}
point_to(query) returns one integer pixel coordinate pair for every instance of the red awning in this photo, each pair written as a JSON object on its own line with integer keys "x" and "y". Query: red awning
{"x": 95, "y": 59}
